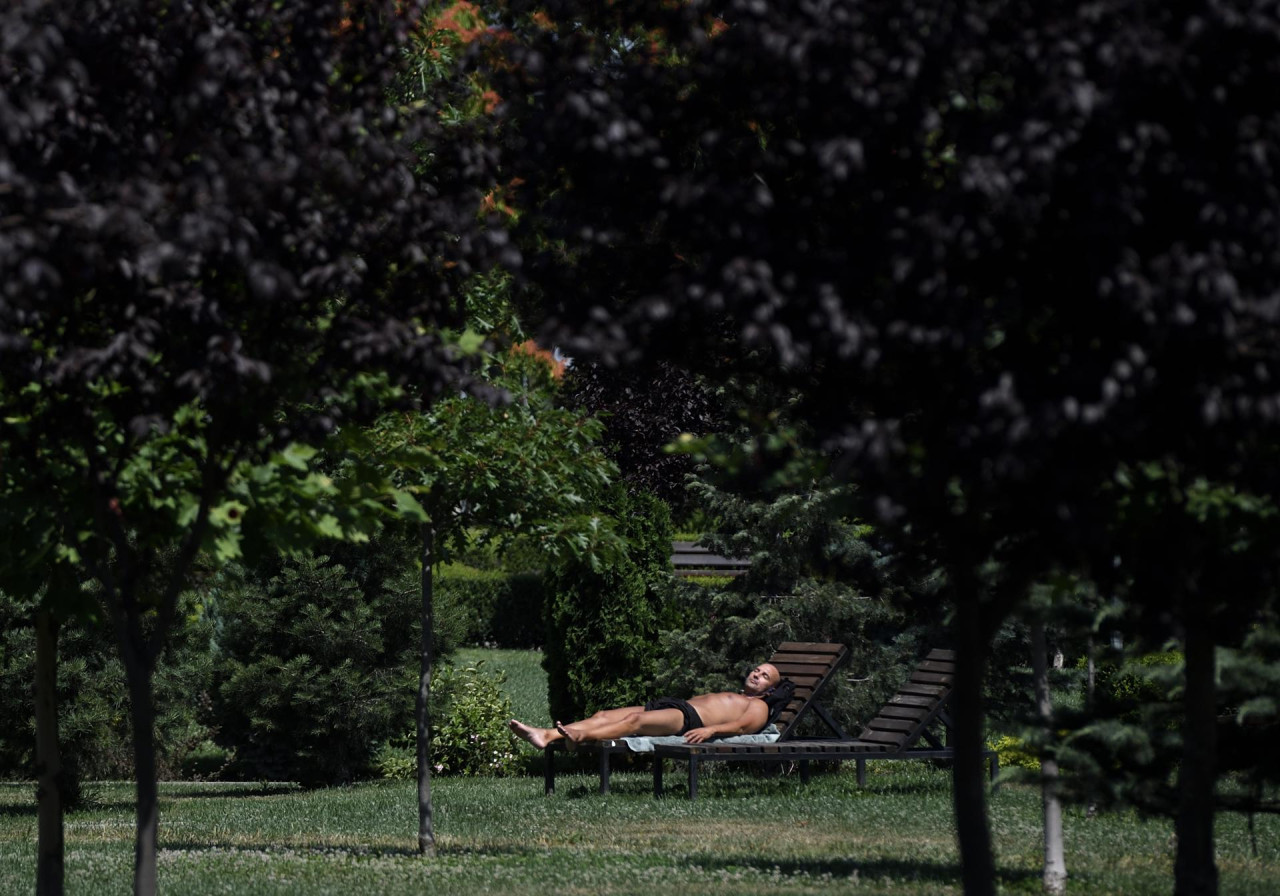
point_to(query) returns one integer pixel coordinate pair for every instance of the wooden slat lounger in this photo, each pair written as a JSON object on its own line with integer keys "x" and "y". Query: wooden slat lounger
{"x": 811, "y": 665}
{"x": 895, "y": 733}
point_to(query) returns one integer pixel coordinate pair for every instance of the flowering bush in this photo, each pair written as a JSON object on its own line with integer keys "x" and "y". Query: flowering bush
{"x": 470, "y": 736}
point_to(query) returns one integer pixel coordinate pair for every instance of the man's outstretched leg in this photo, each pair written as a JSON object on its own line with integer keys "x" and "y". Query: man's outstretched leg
{"x": 632, "y": 721}
{"x": 541, "y": 737}
{"x": 626, "y": 721}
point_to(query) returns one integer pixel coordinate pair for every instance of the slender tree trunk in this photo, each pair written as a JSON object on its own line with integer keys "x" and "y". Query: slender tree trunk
{"x": 1090, "y": 685}
{"x": 49, "y": 772}
{"x": 1195, "y": 871}
{"x": 138, "y": 672}
{"x": 426, "y": 830}
{"x": 972, "y": 831}
{"x": 1055, "y": 862}
{"x": 1091, "y": 674}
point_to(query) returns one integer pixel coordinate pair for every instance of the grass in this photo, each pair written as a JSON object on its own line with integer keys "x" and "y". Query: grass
{"x": 746, "y": 834}
{"x": 526, "y": 684}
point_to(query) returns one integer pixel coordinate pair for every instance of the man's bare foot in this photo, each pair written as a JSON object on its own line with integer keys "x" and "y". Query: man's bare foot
{"x": 571, "y": 739}
{"x": 539, "y": 737}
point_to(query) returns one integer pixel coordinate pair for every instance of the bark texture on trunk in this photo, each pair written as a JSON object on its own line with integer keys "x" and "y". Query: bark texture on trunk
{"x": 138, "y": 672}
{"x": 1195, "y": 870}
{"x": 426, "y": 825}
{"x": 1054, "y": 878}
{"x": 50, "y": 782}
{"x": 972, "y": 831}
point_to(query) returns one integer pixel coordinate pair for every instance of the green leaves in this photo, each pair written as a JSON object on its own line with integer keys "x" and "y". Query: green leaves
{"x": 517, "y": 466}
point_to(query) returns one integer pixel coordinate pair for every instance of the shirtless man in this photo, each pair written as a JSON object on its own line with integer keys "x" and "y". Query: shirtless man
{"x": 697, "y": 718}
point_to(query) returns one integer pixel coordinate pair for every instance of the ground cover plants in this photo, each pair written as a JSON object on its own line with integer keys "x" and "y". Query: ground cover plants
{"x": 745, "y": 834}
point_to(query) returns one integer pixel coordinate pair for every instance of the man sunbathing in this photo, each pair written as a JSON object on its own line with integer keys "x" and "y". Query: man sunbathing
{"x": 697, "y": 718}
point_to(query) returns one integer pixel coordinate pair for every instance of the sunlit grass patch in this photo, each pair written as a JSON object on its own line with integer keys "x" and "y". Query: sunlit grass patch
{"x": 526, "y": 682}
{"x": 751, "y": 831}
{"x": 745, "y": 834}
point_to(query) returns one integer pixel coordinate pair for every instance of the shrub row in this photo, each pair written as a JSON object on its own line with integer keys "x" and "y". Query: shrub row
{"x": 298, "y": 669}
{"x": 491, "y": 608}
{"x": 94, "y": 724}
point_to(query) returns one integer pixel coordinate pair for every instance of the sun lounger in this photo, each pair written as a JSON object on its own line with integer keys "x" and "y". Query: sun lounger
{"x": 903, "y": 729}
{"x": 810, "y": 665}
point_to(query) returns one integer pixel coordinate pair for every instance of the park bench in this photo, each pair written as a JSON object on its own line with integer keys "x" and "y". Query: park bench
{"x": 690, "y": 559}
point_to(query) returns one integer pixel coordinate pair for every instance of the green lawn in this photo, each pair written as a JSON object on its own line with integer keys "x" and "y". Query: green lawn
{"x": 745, "y": 834}
{"x": 526, "y": 683}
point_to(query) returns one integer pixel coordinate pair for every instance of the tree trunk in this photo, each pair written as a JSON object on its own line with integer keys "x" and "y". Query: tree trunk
{"x": 138, "y": 673}
{"x": 1090, "y": 686}
{"x": 426, "y": 830}
{"x": 1195, "y": 871}
{"x": 1055, "y": 862}
{"x": 49, "y": 772}
{"x": 1090, "y": 675}
{"x": 972, "y": 831}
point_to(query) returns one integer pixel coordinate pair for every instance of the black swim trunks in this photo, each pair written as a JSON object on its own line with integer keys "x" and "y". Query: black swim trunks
{"x": 691, "y": 718}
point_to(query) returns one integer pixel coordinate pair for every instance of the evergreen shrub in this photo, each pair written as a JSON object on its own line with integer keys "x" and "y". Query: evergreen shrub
{"x": 94, "y": 730}
{"x": 1123, "y": 749}
{"x": 316, "y": 667}
{"x": 602, "y": 623}
{"x": 814, "y": 576}
{"x": 735, "y": 630}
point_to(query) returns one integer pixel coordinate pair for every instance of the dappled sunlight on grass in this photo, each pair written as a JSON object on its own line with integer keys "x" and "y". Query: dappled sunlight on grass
{"x": 747, "y": 833}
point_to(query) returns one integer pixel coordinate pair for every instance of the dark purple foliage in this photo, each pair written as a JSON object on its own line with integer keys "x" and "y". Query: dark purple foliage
{"x": 220, "y": 202}
{"x": 1003, "y": 250}
{"x": 992, "y": 231}
{"x": 221, "y": 210}
{"x": 644, "y": 411}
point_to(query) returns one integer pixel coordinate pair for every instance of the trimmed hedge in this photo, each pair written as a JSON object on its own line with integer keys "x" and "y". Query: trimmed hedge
{"x": 493, "y": 608}
{"x": 603, "y": 623}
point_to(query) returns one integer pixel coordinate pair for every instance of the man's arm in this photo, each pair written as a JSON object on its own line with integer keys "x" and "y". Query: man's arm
{"x": 752, "y": 720}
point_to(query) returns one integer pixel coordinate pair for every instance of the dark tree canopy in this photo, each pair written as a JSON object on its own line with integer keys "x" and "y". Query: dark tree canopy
{"x": 1005, "y": 251}
{"x": 232, "y": 242}
{"x": 219, "y": 235}
{"x": 1010, "y": 232}
{"x": 644, "y": 411}
{"x": 215, "y": 202}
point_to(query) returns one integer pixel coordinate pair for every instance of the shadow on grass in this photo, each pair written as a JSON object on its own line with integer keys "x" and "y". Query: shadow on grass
{"x": 734, "y": 784}
{"x": 941, "y": 874}
{"x": 87, "y": 808}
{"x": 892, "y": 869}
{"x": 92, "y": 802}
{"x": 235, "y": 791}
{"x": 368, "y": 850}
